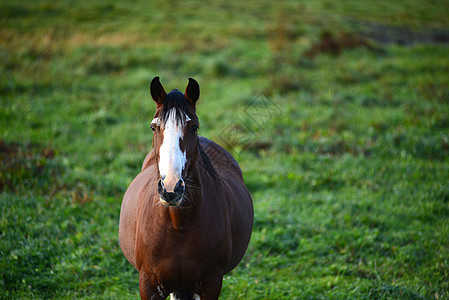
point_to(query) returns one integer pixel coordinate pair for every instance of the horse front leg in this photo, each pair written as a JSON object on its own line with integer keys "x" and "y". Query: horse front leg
{"x": 211, "y": 287}
{"x": 149, "y": 288}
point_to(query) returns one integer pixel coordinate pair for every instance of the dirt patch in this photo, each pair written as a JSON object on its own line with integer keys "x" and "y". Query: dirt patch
{"x": 332, "y": 43}
{"x": 373, "y": 36}
{"x": 401, "y": 35}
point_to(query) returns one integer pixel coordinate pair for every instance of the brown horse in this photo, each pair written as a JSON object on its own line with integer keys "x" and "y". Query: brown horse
{"x": 186, "y": 219}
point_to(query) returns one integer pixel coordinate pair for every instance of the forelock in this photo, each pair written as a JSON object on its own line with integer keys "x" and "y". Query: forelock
{"x": 175, "y": 103}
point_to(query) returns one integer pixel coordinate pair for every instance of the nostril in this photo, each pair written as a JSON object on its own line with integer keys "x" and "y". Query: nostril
{"x": 179, "y": 187}
{"x": 160, "y": 187}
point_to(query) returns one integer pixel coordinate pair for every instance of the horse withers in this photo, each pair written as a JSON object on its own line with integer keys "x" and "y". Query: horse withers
{"x": 186, "y": 219}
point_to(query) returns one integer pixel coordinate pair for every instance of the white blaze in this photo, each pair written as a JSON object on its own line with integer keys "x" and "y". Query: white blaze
{"x": 171, "y": 159}
{"x": 156, "y": 121}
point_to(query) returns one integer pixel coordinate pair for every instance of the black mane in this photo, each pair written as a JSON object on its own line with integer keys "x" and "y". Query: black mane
{"x": 207, "y": 163}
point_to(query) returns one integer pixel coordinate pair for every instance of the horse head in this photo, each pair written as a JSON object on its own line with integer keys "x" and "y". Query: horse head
{"x": 175, "y": 138}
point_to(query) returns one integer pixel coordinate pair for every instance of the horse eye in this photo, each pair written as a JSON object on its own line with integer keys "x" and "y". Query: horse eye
{"x": 153, "y": 128}
{"x": 195, "y": 129}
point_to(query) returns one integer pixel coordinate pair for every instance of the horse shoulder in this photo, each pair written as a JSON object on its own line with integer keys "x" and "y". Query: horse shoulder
{"x": 150, "y": 159}
{"x": 129, "y": 211}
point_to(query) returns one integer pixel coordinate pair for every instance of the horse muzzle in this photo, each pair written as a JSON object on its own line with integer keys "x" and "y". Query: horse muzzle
{"x": 171, "y": 197}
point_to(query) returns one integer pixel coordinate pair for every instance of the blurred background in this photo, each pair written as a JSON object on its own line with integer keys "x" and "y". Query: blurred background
{"x": 337, "y": 111}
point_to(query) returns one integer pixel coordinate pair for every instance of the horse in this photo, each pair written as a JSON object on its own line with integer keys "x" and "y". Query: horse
{"x": 186, "y": 219}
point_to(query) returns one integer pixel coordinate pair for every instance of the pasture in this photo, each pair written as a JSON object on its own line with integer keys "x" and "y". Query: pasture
{"x": 337, "y": 112}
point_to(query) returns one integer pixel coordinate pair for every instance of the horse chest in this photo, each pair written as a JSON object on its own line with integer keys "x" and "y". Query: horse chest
{"x": 182, "y": 258}
{"x": 170, "y": 244}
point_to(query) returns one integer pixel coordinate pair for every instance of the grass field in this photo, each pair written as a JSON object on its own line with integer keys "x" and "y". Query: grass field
{"x": 337, "y": 111}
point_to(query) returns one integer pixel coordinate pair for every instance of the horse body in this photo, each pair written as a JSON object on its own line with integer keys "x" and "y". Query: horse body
{"x": 186, "y": 246}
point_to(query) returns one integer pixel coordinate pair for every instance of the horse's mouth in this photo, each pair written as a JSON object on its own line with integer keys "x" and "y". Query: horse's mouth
{"x": 172, "y": 204}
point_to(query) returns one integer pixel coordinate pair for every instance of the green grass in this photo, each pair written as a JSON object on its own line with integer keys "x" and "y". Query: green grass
{"x": 348, "y": 174}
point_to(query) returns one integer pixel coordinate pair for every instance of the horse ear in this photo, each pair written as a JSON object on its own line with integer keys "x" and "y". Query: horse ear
{"x": 192, "y": 91}
{"x": 157, "y": 91}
